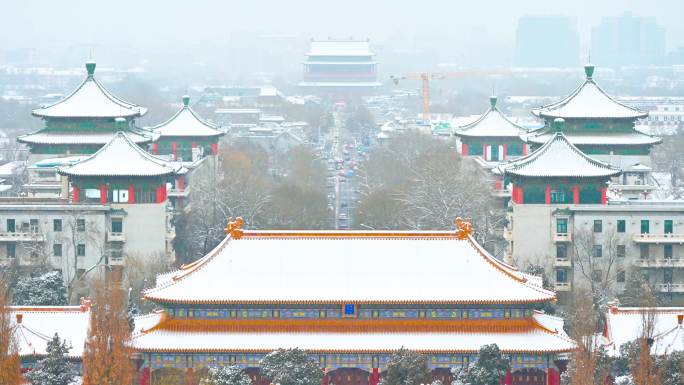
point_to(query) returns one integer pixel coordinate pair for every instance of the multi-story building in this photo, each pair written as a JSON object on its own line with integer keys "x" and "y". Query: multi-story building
{"x": 628, "y": 40}
{"x": 186, "y": 136}
{"x": 352, "y": 320}
{"x": 340, "y": 67}
{"x": 597, "y": 124}
{"x": 83, "y": 122}
{"x": 560, "y": 217}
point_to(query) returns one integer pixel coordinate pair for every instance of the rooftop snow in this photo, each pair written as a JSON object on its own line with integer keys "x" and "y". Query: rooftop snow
{"x": 625, "y": 324}
{"x": 120, "y": 157}
{"x": 559, "y": 158}
{"x": 90, "y": 100}
{"x": 340, "y": 48}
{"x": 491, "y": 123}
{"x": 631, "y": 138}
{"x": 186, "y": 123}
{"x": 379, "y": 267}
{"x": 94, "y": 138}
{"x": 40, "y": 323}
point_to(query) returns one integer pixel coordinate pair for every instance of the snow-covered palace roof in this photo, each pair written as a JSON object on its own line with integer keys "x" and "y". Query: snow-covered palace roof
{"x": 492, "y": 123}
{"x": 559, "y": 158}
{"x": 589, "y": 101}
{"x": 186, "y": 123}
{"x": 340, "y": 47}
{"x": 626, "y": 324}
{"x": 120, "y": 157}
{"x": 341, "y": 267}
{"x": 35, "y": 326}
{"x": 90, "y": 100}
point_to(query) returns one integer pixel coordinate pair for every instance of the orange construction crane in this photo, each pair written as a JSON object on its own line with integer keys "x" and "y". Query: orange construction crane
{"x": 426, "y": 77}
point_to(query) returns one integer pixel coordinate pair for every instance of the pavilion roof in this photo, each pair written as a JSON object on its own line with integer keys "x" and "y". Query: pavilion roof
{"x": 186, "y": 123}
{"x": 86, "y": 138}
{"x": 347, "y": 267}
{"x": 35, "y": 326}
{"x": 121, "y": 157}
{"x": 633, "y": 138}
{"x": 91, "y": 100}
{"x": 493, "y": 123}
{"x": 340, "y": 47}
{"x": 626, "y": 324}
{"x": 589, "y": 101}
{"x": 537, "y": 334}
{"x": 559, "y": 158}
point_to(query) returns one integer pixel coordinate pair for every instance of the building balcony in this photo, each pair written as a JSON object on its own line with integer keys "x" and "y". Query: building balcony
{"x": 116, "y": 237}
{"x": 562, "y": 237}
{"x": 22, "y": 236}
{"x": 669, "y": 262}
{"x": 562, "y": 262}
{"x": 658, "y": 238}
{"x": 670, "y": 287}
{"x": 116, "y": 261}
{"x": 178, "y": 193}
{"x": 562, "y": 286}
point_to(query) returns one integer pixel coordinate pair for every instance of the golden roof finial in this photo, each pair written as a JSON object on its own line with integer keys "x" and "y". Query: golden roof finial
{"x": 234, "y": 228}
{"x": 463, "y": 228}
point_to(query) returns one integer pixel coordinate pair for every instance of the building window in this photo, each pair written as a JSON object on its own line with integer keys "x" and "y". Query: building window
{"x": 33, "y": 223}
{"x": 562, "y": 225}
{"x": 80, "y": 250}
{"x": 11, "y": 225}
{"x": 620, "y": 277}
{"x": 57, "y": 250}
{"x": 561, "y": 276}
{"x": 668, "y": 226}
{"x": 56, "y": 225}
{"x": 80, "y": 225}
{"x": 597, "y": 251}
{"x": 597, "y": 275}
{"x": 645, "y": 226}
{"x": 349, "y": 309}
{"x": 34, "y": 254}
{"x": 598, "y": 226}
{"x": 667, "y": 251}
{"x": 561, "y": 251}
{"x": 667, "y": 276}
{"x": 621, "y": 226}
{"x": 117, "y": 225}
{"x": 620, "y": 251}
{"x": 557, "y": 196}
{"x": 11, "y": 250}
{"x": 643, "y": 251}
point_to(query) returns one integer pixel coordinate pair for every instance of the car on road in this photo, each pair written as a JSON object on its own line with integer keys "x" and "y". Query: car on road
{"x": 342, "y": 217}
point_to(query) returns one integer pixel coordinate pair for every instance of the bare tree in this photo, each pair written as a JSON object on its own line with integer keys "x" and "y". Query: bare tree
{"x": 10, "y": 363}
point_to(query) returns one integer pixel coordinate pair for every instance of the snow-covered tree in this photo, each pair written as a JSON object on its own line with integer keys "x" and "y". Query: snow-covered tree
{"x": 489, "y": 368}
{"x": 407, "y": 367}
{"x": 291, "y": 367}
{"x": 55, "y": 369}
{"x": 45, "y": 290}
{"x": 132, "y": 310}
{"x": 9, "y": 357}
{"x": 228, "y": 375}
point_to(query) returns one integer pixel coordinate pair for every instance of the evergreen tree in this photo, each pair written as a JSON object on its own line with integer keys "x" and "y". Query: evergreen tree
{"x": 291, "y": 367}
{"x": 489, "y": 368}
{"x": 229, "y": 375}
{"x": 407, "y": 367}
{"x": 55, "y": 369}
{"x": 45, "y": 290}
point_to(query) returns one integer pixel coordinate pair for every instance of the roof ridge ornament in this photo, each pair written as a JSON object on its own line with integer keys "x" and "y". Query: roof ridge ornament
{"x": 186, "y": 100}
{"x": 558, "y": 125}
{"x": 234, "y": 228}
{"x": 492, "y": 100}
{"x": 90, "y": 67}
{"x": 464, "y": 229}
{"x": 589, "y": 70}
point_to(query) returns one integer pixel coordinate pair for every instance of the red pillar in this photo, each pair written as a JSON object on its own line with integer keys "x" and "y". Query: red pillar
{"x": 484, "y": 152}
{"x": 503, "y": 152}
{"x": 155, "y": 148}
{"x": 553, "y": 376}
{"x": 131, "y": 193}
{"x": 498, "y": 184}
{"x": 188, "y": 376}
{"x": 74, "y": 194}
{"x": 145, "y": 377}
{"x": 214, "y": 148}
{"x": 604, "y": 195}
{"x": 180, "y": 182}
{"x": 464, "y": 149}
{"x": 575, "y": 194}
{"x": 515, "y": 194}
{"x": 547, "y": 195}
{"x": 325, "y": 380}
{"x": 193, "y": 144}
{"x": 174, "y": 149}
{"x": 103, "y": 193}
{"x": 524, "y": 149}
{"x": 375, "y": 377}
{"x": 508, "y": 378}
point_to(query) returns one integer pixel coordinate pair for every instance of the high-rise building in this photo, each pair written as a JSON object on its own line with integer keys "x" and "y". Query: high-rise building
{"x": 546, "y": 41}
{"x": 628, "y": 40}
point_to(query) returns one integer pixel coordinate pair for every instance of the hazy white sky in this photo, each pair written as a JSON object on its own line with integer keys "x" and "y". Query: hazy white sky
{"x": 32, "y": 23}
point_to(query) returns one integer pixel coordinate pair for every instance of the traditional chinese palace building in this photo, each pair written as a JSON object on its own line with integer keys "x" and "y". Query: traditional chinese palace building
{"x": 597, "y": 124}
{"x": 185, "y": 133}
{"x": 350, "y": 299}
{"x": 493, "y": 136}
{"x": 83, "y": 121}
{"x": 340, "y": 67}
